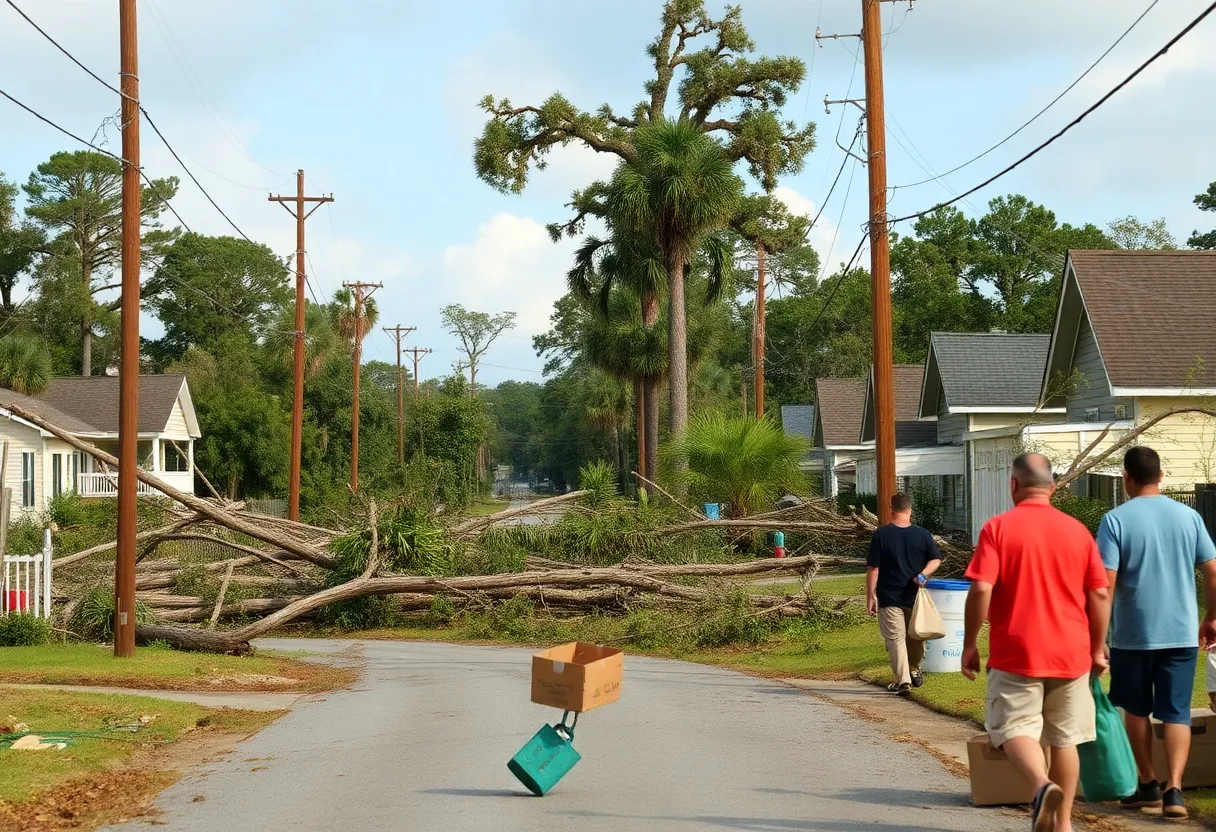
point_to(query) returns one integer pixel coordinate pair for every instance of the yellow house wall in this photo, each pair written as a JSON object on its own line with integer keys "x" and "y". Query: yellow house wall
{"x": 1186, "y": 442}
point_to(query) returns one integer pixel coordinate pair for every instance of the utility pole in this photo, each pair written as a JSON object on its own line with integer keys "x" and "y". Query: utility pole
{"x": 297, "y": 405}
{"x": 880, "y": 266}
{"x": 358, "y": 288}
{"x": 399, "y": 332}
{"x": 758, "y": 332}
{"x": 128, "y": 365}
{"x": 418, "y": 354}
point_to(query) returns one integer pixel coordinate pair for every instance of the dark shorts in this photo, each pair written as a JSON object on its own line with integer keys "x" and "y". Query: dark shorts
{"x": 1154, "y": 682}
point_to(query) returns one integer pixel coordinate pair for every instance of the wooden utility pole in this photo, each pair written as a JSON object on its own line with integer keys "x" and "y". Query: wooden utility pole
{"x": 418, "y": 353}
{"x": 297, "y": 405}
{"x": 758, "y": 332}
{"x": 128, "y": 363}
{"x": 399, "y": 332}
{"x": 880, "y": 266}
{"x": 358, "y": 288}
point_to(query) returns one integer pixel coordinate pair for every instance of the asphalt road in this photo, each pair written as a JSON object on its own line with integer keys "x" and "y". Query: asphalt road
{"x": 422, "y": 744}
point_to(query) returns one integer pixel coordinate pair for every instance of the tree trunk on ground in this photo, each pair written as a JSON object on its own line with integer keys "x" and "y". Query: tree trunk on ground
{"x": 677, "y": 371}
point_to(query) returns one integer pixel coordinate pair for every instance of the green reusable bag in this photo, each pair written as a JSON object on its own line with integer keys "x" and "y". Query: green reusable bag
{"x": 1108, "y": 769}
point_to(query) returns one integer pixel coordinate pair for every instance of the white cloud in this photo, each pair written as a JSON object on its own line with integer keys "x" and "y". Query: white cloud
{"x": 823, "y": 233}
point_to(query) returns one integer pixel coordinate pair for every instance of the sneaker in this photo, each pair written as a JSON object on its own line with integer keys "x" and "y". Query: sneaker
{"x": 900, "y": 689}
{"x": 1043, "y": 811}
{"x": 918, "y": 679}
{"x": 1147, "y": 795}
{"x": 1172, "y": 806}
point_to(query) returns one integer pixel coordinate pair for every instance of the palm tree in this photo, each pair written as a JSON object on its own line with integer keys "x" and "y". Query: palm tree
{"x": 342, "y": 317}
{"x": 678, "y": 189}
{"x": 25, "y": 365}
{"x": 745, "y": 462}
{"x": 321, "y": 342}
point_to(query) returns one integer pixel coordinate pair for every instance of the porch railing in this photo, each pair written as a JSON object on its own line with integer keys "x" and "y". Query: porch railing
{"x": 25, "y": 581}
{"x": 105, "y": 485}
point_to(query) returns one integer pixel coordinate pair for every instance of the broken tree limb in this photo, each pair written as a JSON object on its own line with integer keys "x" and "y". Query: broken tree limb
{"x": 749, "y": 524}
{"x": 250, "y": 550}
{"x": 1083, "y": 463}
{"x": 200, "y": 506}
{"x": 478, "y": 523}
{"x": 219, "y": 601}
{"x": 698, "y": 515}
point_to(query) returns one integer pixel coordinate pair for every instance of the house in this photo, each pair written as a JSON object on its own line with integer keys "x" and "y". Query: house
{"x": 1131, "y": 340}
{"x": 921, "y": 461}
{"x": 977, "y": 382}
{"x": 41, "y": 466}
{"x": 798, "y": 420}
{"x": 837, "y": 433}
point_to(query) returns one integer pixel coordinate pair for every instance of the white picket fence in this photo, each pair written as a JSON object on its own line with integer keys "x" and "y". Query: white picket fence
{"x": 26, "y": 581}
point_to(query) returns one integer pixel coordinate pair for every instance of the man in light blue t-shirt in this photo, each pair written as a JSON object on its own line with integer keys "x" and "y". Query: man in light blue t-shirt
{"x": 1151, "y": 546}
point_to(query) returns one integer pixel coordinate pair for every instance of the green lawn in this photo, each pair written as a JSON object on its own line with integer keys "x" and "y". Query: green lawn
{"x": 487, "y": 505}
{"x": 156, "y": 668}
{"x": 103, "y": 732}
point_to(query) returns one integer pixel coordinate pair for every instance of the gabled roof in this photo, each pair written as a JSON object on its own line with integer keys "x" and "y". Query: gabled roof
{"x": 94, "y": 401}
{"x": 41, "y": 407}
{"x": 983, "y": 372}
{"x": 909, "y": 431}
{"x": 798, "y": 420}
{"x": 1152, "y": 315}
{"x": 840, "y": 402}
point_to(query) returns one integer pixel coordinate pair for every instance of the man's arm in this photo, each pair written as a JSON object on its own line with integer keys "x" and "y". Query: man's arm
{"x": 1097, "y": 609}
{"x": 931, "y": 567}
{"x": 1207, "y": 630}
{"x": 979, "y": 597}
{"x": 872, "y": 590}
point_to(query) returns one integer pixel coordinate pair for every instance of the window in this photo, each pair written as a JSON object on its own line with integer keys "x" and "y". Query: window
{"x": 27, "y": 479}
{"x": 1120, "y": 411}
{"x": 1091, "y": 414}
{"x": 175, "y": 460}
{"x": 56, "y": 474}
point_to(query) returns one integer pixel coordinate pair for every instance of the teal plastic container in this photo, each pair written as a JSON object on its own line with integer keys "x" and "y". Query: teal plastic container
{"x": 712, "y": 511}
{"x": 546, "y": 758}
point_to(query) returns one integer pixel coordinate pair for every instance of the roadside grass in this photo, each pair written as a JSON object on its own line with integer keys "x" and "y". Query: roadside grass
{"x": 110, "y": 743}
{"x": 486, "y": 505}
{"x": 162, "y": 668}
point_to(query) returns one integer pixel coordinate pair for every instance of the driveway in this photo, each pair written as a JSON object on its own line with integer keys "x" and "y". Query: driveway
{"x": 421, "y": 743}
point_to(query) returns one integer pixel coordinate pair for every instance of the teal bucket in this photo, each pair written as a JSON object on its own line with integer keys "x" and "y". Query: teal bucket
{"x": 547, "y": 757}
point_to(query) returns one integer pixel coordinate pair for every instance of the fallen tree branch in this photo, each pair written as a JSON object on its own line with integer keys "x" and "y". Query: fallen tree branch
{"x": 219, "y": 601}
{"x": 746, "y": 523}
{"x": 698, "y": 515}
{"x": 539, "y": 506}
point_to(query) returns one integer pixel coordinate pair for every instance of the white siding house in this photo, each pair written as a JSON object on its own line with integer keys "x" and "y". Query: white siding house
{"x": 41, "y": 466}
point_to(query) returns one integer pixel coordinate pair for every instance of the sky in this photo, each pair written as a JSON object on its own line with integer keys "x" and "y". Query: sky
{"x": 376, "y": 100}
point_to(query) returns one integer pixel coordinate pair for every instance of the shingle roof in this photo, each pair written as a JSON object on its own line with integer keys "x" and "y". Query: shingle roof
{"x": 40, "y": 407}
{"x": 93, "y": 400}
{"x": 910, "y": 434}
{"x": 840, "y": 403}
{"x": 798, "y": 420}
{"x": 908, "y": 379}
{"x": 989, "y": 369}
{"x": 1152, "y": 313}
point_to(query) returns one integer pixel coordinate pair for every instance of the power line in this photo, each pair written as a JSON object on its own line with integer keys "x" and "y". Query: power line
{"x": 835, "y": 181}
{"x": 843, "y": 207}
{"x": 839, "y": 282}
{"x": 1151, "y": 60}
{"x": 1050, "y": 104}
{"x": 62, "y": 130}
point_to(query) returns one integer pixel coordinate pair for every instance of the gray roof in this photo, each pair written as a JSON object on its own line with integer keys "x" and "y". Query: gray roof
{"x": 798, "y": 420}
{"x": 94, "y": 400}
{"x": 840, "y": 402}
{"x": 40, "y": 407}
{"x": 986, "y": 369}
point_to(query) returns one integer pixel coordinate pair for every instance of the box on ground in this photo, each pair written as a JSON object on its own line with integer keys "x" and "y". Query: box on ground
{"x": 1200, "y": 769}
{"x": 576, "y": 676}
{"x": 994, "y": 782}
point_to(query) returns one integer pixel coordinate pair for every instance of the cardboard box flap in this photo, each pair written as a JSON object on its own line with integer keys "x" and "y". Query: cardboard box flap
{"x": 577, "y": 676}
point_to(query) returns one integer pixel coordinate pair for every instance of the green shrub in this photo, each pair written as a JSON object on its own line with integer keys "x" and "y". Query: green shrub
{"x": 1087, "y": 510}
{"x": 24, "y": 630}
{"x": 847, "y": 501}
{"x": 600, "y": 478}
{"x": 443, "y": 611}
{"x": 927, "y": 509}
{"x": 367, "y": 613}
{"x": 94, "y": 618}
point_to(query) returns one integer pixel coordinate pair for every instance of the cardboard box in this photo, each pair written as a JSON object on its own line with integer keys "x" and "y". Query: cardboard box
{"x": 577, "y": 677}
{"x": 994, "y": 782}
{"x": 1200, "y": 771}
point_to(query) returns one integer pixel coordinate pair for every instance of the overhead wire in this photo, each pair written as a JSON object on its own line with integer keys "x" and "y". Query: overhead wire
{"x": 1050, "y": 104}
{"x": 1066, "y": 128}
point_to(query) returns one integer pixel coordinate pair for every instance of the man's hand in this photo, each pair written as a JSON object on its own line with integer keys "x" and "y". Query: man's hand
{"x": 1207, "y": 632}
{"x": 921, "y": 580}
{"x": 971, "y": 662}
{"x": 1101, "y": 661}
{"x": 872, "y": 606}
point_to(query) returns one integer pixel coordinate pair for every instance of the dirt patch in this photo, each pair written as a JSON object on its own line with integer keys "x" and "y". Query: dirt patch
{"x": 949, "y": 763}
{"x": 128, "y": 792}
{"x": 250, "y": 681}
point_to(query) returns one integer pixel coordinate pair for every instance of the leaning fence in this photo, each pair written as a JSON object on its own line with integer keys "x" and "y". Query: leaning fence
{"x": 25, "y": 581}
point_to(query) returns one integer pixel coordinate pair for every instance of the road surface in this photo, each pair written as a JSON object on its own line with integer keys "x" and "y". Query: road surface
{"x": 421, "y": 743}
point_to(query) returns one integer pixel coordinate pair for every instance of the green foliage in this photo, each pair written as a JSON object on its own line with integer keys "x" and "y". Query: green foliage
{"x": 1205, "y": 201}
{"x": 443, "y": 611}
{"x": 409, "y": 541}
{"x": 600, "y": 478}
{"x": 24, "y": 630}
{"x": 746, "y": 463}
{"x": 1134, "y": 234}
{"x": 847, "y": 501}
{"x": 25, "y": 365}
{"x": 94, "y": 618}
{"x": 477, "y": 331}
{"x": 1087, "y": 510}
{"x": 927, "y": 508}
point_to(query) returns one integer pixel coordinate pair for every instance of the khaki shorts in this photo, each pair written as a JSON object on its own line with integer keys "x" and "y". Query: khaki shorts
{"x": 1056, "y": 712}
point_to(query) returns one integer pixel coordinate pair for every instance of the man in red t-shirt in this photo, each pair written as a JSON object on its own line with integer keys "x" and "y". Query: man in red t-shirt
{"x": 1038, "y": 580}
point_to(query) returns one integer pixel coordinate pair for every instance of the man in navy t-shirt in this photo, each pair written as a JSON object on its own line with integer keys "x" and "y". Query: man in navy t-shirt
{"x": 902, "y": 557}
